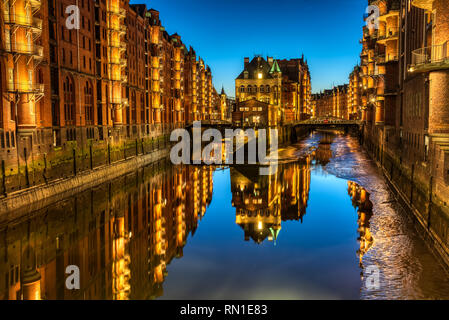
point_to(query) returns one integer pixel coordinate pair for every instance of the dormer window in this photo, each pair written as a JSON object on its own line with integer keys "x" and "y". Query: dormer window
{"x": 245, "y": 74}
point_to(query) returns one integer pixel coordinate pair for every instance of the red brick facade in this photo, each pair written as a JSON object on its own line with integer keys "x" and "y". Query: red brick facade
{"x": 119, "y": 77}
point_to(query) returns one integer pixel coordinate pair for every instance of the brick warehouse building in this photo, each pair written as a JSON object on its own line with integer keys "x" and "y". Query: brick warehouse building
{"x": 400, "y": 92}
{"x": 285, "y": 85}
{"x": 334, "y": 103}
{"x": 140, "y": 240}
{"x": 120, "y": 80}
{"x": 405, "y": 106}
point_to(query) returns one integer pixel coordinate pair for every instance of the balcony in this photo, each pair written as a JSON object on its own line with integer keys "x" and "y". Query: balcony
{"x": 35, "y": 4}
{"x": 423, "y": 4}
{"x": 121, "y": 12}
{"x": 120, "y": 28}
{"x": 376, "y": 72}
{"x": 120, "y": 62}
{"x": 119, "y": 78}
{"x": 390, "y": 34}
{"x": 118, "y": 44}
{"x": 25, "y": 87}
{"x": 389, "y": 14}
{"x": 24, "y": 49}
{"x": 430, "y": 58}
{"x": 119, "y": 101}
{"x": 23, "y": 21}
{"x": 382, "y": 58}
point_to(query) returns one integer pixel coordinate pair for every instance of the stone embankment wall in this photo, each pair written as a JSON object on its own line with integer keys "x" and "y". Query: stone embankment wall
{"x": 74, "y": 170}
{"x": 415, "y": 187}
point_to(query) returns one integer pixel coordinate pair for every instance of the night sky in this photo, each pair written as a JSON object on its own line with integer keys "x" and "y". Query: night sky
{"x": 224, "y": 32}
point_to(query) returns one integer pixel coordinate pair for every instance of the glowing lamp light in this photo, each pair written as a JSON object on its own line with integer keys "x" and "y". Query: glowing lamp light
{"x": 259, "y": 75}
{"x": 260, "y": 225}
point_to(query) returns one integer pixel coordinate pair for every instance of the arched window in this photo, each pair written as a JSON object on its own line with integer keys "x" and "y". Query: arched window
{"x": 268, "y": 89}
{"x": 262, "y": 89}
{"x": 69, "y": 101}
{"x": 249, "y": 89}
{"x": 242, "y": 89}
{"x": 89, "y": 103}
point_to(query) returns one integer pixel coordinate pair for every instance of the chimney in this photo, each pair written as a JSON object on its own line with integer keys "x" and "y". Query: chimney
{"x": 246, "y": 62}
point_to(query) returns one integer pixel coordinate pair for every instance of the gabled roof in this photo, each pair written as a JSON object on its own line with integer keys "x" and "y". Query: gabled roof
{"x": 258, "y": 64}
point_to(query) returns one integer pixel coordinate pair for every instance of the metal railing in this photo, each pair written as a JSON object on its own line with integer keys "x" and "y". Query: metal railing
{"x": 120, "y": 101}
{"x": 380, "y": 58}
{"x": 35, "y": 3}
{"x": 389, "y": 33}
{"x": 24, "y": 87}
{"x": 117, "y": 11}
{"x": 119, "y": 61}
{"x": 118, "y": 44}
{"x": 433, "y": 54}
{"x": 23, "y": 20}
{"x": 24, "y": 48}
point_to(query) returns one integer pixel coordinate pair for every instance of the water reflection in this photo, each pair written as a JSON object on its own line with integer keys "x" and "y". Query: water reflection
{"x": 360, "y": 200}
{"x": 122, "y": 236}
{"x": 323, "y": 153}
{"x": 263, "y": 202}
{"x": 128, "y": 236}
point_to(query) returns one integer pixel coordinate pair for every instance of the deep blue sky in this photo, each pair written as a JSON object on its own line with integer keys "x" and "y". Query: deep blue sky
{"x": 224, "y": 32}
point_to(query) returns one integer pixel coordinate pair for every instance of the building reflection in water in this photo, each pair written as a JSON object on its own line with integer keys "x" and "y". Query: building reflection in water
{"x": 263, "y": 202}
{"x": 121, "y": 235}
{"x": 360, "y": 200}
{"x": 323, "y": 153}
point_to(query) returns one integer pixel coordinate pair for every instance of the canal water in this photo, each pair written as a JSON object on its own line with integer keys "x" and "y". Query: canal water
{"x": 325, "y": 226}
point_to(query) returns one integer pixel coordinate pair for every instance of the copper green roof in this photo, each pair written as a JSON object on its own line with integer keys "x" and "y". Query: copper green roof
{"x": 275, "y": 67}
{"x": 275, "y": 233}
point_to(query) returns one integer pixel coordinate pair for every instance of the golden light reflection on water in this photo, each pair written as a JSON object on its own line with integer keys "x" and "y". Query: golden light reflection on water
{"x": 360, "y": 200}
{"x": 121, "y": 235}
{"x": 263, "y": 202}
{"x": 124, "y": 234}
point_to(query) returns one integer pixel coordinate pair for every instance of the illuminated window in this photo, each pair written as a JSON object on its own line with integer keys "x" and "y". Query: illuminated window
{"x": 259, "y": 75}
